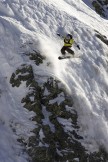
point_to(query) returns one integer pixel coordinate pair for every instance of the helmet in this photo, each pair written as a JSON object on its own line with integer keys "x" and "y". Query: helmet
{"x": 69, "y": 36}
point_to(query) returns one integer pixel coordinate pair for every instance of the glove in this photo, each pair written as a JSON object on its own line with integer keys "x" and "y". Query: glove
{"x": 78, "y": 47}
{"x": 58, "y": 34}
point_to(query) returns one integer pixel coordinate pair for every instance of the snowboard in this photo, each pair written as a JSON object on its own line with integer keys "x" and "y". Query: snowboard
{"x": 64, "y": 57}
{"x": 68, "y": 57}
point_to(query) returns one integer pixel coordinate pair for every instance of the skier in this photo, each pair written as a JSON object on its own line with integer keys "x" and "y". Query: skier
{"x": 68, "y": 42}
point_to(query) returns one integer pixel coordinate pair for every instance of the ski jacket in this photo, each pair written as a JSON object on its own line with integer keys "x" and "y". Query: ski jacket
{"x": 68, "y": 42}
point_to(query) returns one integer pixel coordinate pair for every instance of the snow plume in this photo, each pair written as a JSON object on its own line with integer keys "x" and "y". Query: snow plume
{"x": 51, "y": 50}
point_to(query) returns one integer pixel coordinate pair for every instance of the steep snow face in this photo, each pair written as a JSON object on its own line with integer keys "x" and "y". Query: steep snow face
{"x": 14, "y": 119}
{"x": 85, "y": 77}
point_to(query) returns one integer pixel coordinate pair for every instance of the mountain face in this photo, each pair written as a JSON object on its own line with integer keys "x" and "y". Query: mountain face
{"x": 53, "y": 110}
{"x": 57, "y": 136}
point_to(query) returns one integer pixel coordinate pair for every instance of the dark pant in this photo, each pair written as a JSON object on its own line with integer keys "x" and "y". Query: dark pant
{"x": 65, "y": 48}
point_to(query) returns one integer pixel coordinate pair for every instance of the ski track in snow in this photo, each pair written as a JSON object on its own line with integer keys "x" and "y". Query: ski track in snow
{"x": 22, "y": 21}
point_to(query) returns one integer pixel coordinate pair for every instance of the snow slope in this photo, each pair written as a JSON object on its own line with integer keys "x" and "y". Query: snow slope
{"x": 38, "y": 21}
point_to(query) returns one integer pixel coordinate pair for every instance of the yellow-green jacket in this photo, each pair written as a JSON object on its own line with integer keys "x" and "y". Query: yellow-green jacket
{"x": 68, "y": 42}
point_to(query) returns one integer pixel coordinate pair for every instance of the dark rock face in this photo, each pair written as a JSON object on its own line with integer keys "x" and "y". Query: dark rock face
{"x": 56, "y": 136}
{"x": 101, "y": 7}
{"x": 24, "y": 73}
{"x": 103, "y": 38}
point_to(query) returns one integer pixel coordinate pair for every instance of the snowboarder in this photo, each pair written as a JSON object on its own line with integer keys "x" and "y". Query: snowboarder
{"x": 68, "y": 42}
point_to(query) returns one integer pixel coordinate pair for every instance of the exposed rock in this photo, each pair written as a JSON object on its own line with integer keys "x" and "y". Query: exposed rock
{"x": 101, "y": 7}
{"x": 38, "y": 59}
{"x": 103, "y": 38}
{"x": 24, "y": 73}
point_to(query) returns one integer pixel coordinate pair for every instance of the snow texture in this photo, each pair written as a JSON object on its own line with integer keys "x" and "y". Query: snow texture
{"x": 85, "y": 78}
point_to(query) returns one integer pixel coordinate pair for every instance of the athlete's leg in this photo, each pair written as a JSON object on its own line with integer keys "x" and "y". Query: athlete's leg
{"x": 63, "y": 50}
{"x": 70, "y": 51}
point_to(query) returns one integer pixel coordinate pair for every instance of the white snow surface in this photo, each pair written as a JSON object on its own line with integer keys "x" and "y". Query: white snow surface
{"x": 86, "y": 78}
